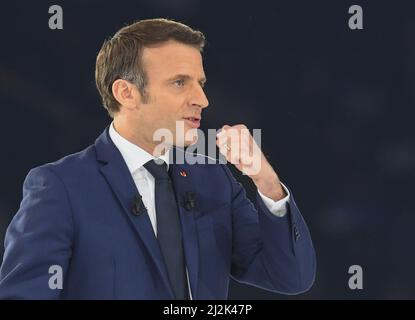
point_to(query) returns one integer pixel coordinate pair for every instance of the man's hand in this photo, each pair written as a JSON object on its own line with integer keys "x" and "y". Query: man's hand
{"x": 239, "y": 148}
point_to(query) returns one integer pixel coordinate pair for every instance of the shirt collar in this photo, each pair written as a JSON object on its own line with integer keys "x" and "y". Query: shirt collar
{"x": 134, "y": 156}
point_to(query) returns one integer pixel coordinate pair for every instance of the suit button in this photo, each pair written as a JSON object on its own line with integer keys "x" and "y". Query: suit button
{"x": 135, "y": 210}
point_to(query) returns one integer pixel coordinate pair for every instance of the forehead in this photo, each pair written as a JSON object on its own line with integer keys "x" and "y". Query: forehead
{"x": 172, "y": 58}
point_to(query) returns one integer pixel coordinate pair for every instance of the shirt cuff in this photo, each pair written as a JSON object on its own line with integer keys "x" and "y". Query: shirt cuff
{"x": 277, "y": 208}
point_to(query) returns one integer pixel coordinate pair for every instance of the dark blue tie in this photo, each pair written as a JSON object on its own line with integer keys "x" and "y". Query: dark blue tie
{"x": 169, "y": 233}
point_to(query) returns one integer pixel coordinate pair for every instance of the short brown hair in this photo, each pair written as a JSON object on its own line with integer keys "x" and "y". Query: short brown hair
{"x": 121, "y": 56}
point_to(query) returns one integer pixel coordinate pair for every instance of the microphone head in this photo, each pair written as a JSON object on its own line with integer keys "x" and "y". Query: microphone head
{"x": 136, "y": 209}
{"x": 190, "y": 202}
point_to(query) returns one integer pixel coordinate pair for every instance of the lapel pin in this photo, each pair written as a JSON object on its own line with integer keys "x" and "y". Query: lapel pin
{"x": 183, "y": 173}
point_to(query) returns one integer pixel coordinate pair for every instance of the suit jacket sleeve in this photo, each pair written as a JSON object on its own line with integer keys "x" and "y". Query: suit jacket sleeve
{"x": 39, "y": 236}
{"x": 274, "y": 253}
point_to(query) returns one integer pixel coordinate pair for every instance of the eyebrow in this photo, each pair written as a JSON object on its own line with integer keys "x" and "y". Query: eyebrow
{"x": 186, "y": 77}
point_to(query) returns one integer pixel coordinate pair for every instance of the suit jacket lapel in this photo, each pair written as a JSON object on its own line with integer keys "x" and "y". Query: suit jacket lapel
{"x": 116, "y": 173}
{"x": 181, "y": 176}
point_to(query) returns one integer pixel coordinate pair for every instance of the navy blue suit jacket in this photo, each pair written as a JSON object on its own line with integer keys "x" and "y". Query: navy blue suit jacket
{"x": 76, "y": 213}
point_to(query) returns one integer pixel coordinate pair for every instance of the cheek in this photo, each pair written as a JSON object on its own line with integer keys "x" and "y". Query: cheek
{"x": 171, "y": 113}
{"x": 164, "y": 118}
{"x": 169, "y": 108}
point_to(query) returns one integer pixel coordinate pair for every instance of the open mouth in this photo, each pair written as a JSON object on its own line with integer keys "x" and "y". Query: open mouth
{"x": 193, "y": 121}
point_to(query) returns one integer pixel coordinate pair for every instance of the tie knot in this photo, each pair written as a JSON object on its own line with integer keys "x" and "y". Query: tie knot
{"x": 158, "y": 171}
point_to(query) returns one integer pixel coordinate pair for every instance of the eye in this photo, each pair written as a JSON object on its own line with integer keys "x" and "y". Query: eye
{"x": 179, "y": 83}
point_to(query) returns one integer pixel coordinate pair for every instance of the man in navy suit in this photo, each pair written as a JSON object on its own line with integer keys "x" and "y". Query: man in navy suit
{"x": 123, "y": 219}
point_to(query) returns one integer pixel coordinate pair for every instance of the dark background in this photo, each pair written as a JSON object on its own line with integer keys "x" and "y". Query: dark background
{"x": 336, "y": 109}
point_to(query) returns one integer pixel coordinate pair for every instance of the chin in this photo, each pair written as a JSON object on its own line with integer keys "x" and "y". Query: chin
{"x": 185, "y": 143}
{"x": 189, "y": 143}
{"x": 188, "y": 138}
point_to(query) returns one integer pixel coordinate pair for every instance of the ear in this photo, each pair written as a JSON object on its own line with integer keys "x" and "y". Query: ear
{"x": 126, "y": 94}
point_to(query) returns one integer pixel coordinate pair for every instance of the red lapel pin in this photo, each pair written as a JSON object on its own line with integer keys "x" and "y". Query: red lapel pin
{"x": 183, "y": 173}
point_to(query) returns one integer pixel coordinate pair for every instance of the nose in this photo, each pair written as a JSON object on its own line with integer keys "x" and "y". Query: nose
{"x": 199, "y": 98}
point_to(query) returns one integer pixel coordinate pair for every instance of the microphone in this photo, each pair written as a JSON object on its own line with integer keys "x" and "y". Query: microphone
{"x": 138, "y": 206}
{"x": 190, "y": 202}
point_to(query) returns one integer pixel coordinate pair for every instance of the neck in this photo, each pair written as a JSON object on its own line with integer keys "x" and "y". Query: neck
{"x": 157, "y": 149}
